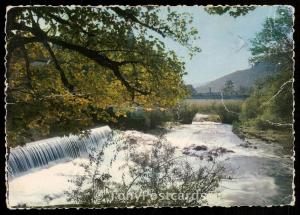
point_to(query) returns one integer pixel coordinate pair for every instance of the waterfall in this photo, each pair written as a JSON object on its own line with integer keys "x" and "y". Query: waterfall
{"x": 41, "y": 153}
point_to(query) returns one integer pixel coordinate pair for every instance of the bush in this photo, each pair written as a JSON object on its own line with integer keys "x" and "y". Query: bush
{"x": 157, "y": 170}
{"x": 230, "y": 115}
{"x": 144, "y": 120}
{"x": 214, "y": 118}
{"x": 183, "y": 113}
{"x": 263, "y": 107}
{"x": 188, "y": 110}
{"x": 236, "y": 126}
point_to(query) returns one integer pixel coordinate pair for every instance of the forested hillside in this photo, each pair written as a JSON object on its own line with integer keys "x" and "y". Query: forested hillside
{"x": 243, "y": 79}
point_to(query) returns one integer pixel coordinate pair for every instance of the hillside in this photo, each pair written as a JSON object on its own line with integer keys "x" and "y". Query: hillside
{"x": 245, "y": 78}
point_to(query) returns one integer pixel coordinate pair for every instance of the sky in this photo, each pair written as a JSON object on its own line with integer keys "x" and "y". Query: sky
{"x": 224, "y": 43}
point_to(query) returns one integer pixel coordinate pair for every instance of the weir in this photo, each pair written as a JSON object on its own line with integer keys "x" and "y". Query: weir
{"x": 41, "y": 153}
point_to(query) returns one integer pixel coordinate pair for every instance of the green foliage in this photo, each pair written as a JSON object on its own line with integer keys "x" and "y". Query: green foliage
{"x": 144, "y": 119}
{"x": 147, "y": 119}
{"x": 186, "y": 111}
{"x": 191, "y": 90}
{"x": 228, "y": 88}
{"x": 262, "y": 106}
{"x": 234, "y": 11}
{"x": 96, "y": 59}
{"x": 270, "y": 106}
{"x": 214, "y": 118}
{"x": 275, "y": 42}
{"x": 230, "y": 115}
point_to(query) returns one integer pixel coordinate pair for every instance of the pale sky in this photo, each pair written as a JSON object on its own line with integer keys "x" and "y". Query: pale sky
{"x": 224, "y": 42}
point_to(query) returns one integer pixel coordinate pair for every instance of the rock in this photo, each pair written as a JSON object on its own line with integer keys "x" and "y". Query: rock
{"x": 213, "y": 153}
{"x": 210, "y": 158}
{"x": 245, "y": 145}
{"x": 200, "y": 117}
{"x": 186, "y": 152}
{"x": 219, "y": 151}
{"x": 248, "y": 145}
{"x": 194, "y": 155}
{"x": 132, "y": 141}
{"x": 200, "y": 148}
{"x": 223, "y": 150}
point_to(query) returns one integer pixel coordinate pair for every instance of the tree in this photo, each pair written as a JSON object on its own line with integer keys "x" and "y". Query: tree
{"x": 275, "y": 42}
{"x": 243, "y": 90}
{"x": 234, "y": 11}
{"x": 271, "y": 102}
{"x": 191, "y": 90}
{"x": 228, "y": 88}
{"x": 99, "y": 58}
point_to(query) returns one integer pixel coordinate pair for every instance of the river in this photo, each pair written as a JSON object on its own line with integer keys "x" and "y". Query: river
{"x": 259, "y": 173}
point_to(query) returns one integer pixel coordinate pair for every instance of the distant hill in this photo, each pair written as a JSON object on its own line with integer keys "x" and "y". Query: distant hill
{"x": 245, "y": 78}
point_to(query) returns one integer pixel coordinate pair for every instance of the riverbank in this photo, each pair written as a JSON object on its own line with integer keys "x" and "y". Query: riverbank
{"x": 200, "y": 143}
{"x": 283, "y": 137}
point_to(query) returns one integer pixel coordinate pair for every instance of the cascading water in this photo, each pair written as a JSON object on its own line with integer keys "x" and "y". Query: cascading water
{"x": 259, "y": 176}
{"x": 41, "y": 153}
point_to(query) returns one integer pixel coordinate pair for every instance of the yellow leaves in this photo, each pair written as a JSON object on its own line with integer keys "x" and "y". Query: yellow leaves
{"x": 120, "y": 114}
{"x": 83, "y": 102}
{"x": 33, "y": 124}
{"x": 148, "y": 109}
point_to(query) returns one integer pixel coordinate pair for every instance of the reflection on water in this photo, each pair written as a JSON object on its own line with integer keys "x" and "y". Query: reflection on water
{"x": 260, "y": 175}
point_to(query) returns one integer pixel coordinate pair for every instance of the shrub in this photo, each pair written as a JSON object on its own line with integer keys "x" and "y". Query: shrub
{"x": 230, "y": 115}
{"x": 188, "y": 110}
{"x": 145, "y": 120}
{"x": 156, "y": 171}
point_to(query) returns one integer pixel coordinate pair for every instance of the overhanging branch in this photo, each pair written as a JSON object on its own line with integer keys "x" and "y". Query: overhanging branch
{"x": 100, "y": 59}
{"x": 129, "y": 16}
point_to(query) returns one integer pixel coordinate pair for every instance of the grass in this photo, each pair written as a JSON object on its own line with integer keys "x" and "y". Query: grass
{"x": 284, "y": 136}
{"x": 145, "y": 121}
{"x": 215, "y": 107}
{"x": 210, "y": 105}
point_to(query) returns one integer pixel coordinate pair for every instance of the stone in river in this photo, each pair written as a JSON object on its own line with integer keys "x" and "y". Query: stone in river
{"x": 186, "y": 152}
{"x": 200, "y": 148}
{"x": 132, "y": 141}
{"x": 210, "y": 158}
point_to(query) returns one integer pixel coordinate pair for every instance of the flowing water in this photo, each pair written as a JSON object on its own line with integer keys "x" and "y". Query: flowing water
{"x": 260, "y": 174}
{"x": 44, "y": 152}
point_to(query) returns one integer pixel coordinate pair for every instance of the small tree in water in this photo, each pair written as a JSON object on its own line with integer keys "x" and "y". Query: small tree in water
{"x": 154, "y": 177}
